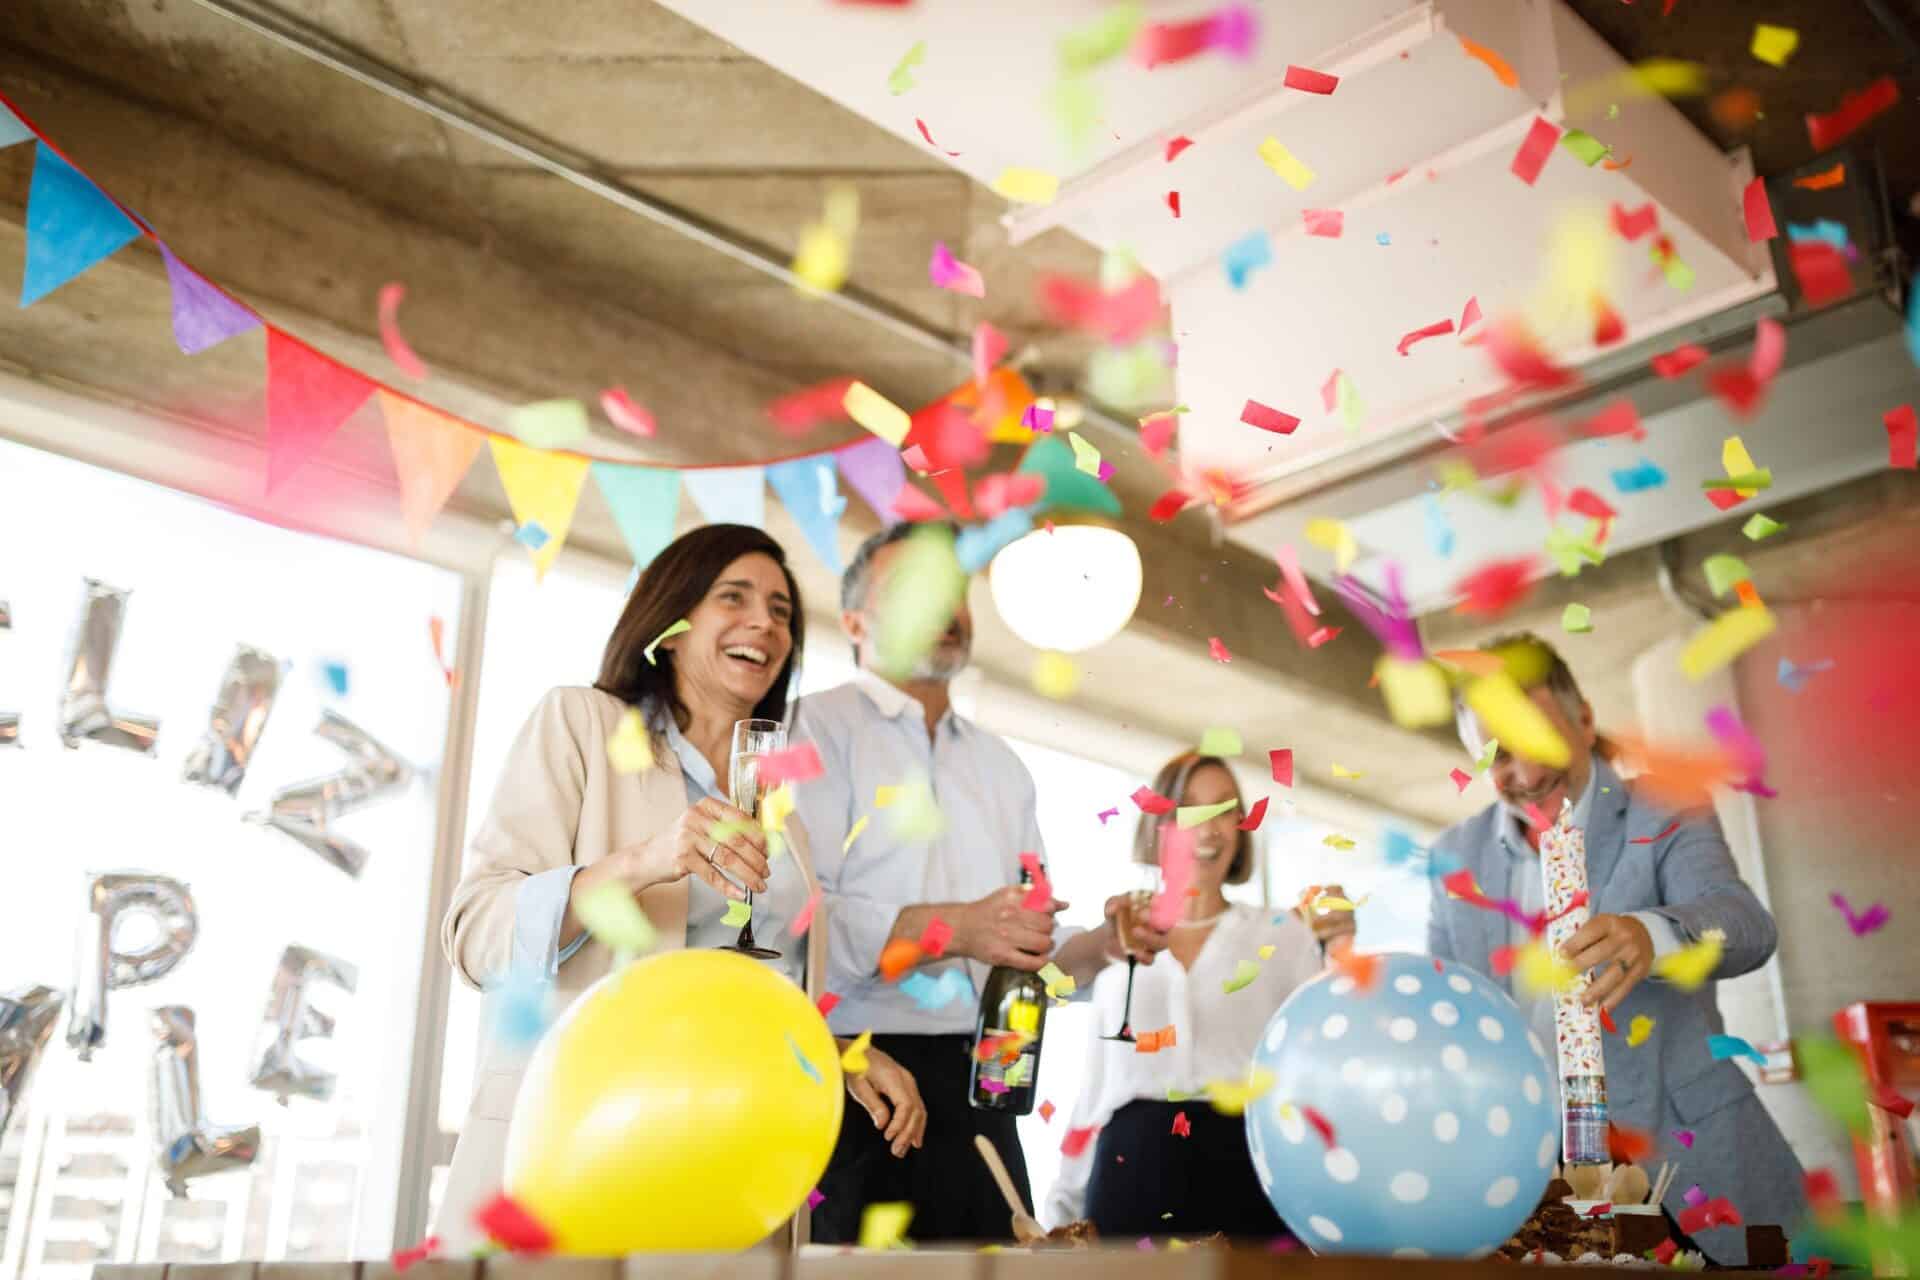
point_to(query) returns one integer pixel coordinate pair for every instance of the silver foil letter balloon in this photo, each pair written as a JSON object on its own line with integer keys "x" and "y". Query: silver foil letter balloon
{"x": 292, "y": 1018}
{"x": 84, "y": 713}
{"x": 236, "y": 721}
{"x": 103, "y": 965}
{"x": 187, "y": 1147}
{"x": 306, "y": 810}
{"x": 27, "y": 1018}
{"x": 9, "y": 720}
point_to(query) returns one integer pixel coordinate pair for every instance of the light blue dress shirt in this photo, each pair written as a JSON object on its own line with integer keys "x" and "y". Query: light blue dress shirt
{"x": 871, "y": 735}
{"x": 540, "y": 903}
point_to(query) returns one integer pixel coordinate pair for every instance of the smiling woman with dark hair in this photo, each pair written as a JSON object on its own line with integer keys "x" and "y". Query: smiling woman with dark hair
{"x": 566, "y": 824}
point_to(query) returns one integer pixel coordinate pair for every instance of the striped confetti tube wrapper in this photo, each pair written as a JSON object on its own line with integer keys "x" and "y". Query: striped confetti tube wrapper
{"x": 1583, "y": 1072}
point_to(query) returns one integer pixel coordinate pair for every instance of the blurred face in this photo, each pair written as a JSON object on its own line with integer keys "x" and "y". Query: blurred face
{"x": 1217, "y": 837}
{"x": 947, "y": 659}
{"x": 1527, "y": 786}
{"x": 741, "y": 638}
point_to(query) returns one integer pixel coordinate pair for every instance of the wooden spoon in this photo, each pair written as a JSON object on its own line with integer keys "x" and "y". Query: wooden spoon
{"x": 1026, "y": 1228}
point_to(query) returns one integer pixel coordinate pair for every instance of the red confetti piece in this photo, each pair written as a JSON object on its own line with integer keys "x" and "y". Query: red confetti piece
{"x": 1519, "y": 355}
{"x": 1535, "y": 150}
{"x": 1040, "y": 896}
{"x": 1324, "y": 222}
{"x": 398, "y": 351}
{"x": 1854, "y": 111}
{"x": 803, "y": 921}
{"x": 1164, "y": 43}
{"x": 1630, "y": 225}
{"x": 624, "y": 413}
{"x": 798, "y": 763}
{"x": 1182, "y": 1127}
{"x": 1627, "y": 1146}
{"x": 1119, "y": 317}
{"x": 804, "y": 410}
{"x": 437, "y": 632}
{"x": 897, "y": 957}
{"x": 1176, "y": 145}
{"x": 1608, "y": 327}
{"x": 929, "y": 137}
{"x": 405, "y": 1258}
{"x": 1461, "y": 778}
{"x": 1821, "y": 271}
{"x": 1503, "y": 959}
{"x": 1254, "y": 817}
{"x": 1217, "y": 650}
{"x": 1903, "y": 437}
{"x": 1434, "y": 330}
{"x": 1606, "y": 1021}
{"x": 1600, "y": 1210}
{"x": 1492, "y": 589}
{"x": 1618, "y": 419}
{"x": 1725, "y": 499}
{"x": 1586, "y": 502}
{"x": 995, "y": 494}
{"x": 1889, "y": 1100}
{"x": 1168, "y": 505}
{"x": 1152, "y": 802}
{"x": 1675, "y": 363}
{"x": 1470, "y": 314}
{"x": 914, "y": 506}
{"x": 1759, "y": 212}
{"x": 1309, "y": 81}
{"x": 1718, "y": 1212}
{"x": 504, "y": 1221}
{"x": 1664, "y": 1252}
{"x": 1046, "y": 1110}
{"x": 1321, "y": 1125}
{"x": 1076, "y": 1141}
{"x": 1743, "y": 390}
{"x": 827, "y": 1002}
{"x": 1255, "y": 414}
{"x": 1173, "y": 202}
{"x": 1282, "y": 762}
{"x": 1823, "y": 1190}
{"x": 1322, "y": 636}
{"x": 936, "y": 936}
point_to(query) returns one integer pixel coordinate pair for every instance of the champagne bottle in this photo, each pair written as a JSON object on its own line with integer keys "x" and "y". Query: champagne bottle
{"x": 1007, "y": 1036}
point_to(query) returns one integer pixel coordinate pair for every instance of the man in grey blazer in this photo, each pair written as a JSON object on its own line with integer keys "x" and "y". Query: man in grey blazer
{"x": 1658, "y": 881}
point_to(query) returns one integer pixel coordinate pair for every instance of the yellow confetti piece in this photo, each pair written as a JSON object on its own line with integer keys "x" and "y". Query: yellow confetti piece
{"x": 1537, "y": 971}
{"x": 1340, "y": 771}
{"x": 877, "y": 414}
{"x": 1337, "y": 842}
{"x": 630, "y": 749}
{"x": 615, "y": 920}
{"x": 776, "y": 807}
{"x": 1332, "y": 535}
{"x": 1417, "y": 693}
{"x": 1027, "y": 186}
{"x": 1331, "y": 902}
{"x": 1059, "y": 981}
{"x": 1286, "y": 164}
{"x": 1192, "y": 815}
{"x": 1230, "y": 1097}
{"x": 825, "y": 250}
{"x": 739, "y": 912}
{"x": 1738, "y": 462}
{"x": 1691, "y": 966}
{"x": 1085, "y": 457}
{"x": 883, "y": 797}
{"x": 1669, "y": 77}
{"x": 1266, "y": 952}
{"x": 1774, "y": 45}
{"x": 858, "y": 827}
{"x": 854, "y": 1060}
{"x": 884, "y": 1226}
{"x": 1724, "y": 639}
{"x": 1518, "y": 721}
{"x": 1055, "y": 675}
{"x": 1638, "y": 1030}
{"x": 1221, "y": 742}
{"x": 679, "y": 628}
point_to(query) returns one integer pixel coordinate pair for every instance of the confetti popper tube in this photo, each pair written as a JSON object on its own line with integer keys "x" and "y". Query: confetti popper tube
{"x": 1583, "y": 1074}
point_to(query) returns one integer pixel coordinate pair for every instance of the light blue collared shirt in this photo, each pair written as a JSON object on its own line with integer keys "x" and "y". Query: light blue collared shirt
{"x": 540, "y": 903}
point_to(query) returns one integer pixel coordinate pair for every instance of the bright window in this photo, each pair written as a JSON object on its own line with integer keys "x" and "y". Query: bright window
{"x": 77, "y": 1166}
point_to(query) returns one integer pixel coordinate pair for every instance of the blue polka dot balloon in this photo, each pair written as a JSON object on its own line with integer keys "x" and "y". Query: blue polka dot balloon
{"x": 1439, "y": 1098}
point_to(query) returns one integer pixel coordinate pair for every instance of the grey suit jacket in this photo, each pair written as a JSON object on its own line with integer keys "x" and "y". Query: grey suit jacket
{"x": 1671, "y": 1081}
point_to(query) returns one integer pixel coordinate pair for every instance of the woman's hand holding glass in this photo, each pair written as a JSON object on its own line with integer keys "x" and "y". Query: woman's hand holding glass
{"x": 689, "y": 848}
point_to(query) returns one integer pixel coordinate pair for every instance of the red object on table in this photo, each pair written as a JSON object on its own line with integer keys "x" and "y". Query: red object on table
{"x": 1887, "y": 1038}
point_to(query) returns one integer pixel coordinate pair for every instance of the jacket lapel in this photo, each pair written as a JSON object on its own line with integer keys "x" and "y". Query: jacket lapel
{"x": 1606, "y": 830}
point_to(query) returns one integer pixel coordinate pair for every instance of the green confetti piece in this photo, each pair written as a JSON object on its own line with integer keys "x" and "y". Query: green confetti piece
{"x": 1194, "y": 814}
{"x": 1101, "y": 40}
{"x": 1085, "y": 457}
{"x": 1576, "y": 619}
{"x": 1221, "y": 742}
{"x": 1179, "y": 1095}
{"x": 1588, "y": 149}
{"x": 679, "y": 628}
{"x": 1723, "y": 571}
{"x": 1572, "y": 553}
{"x": 1761, "y": 479}
{"x": 914, "y": 814}
{"x": 1056, "y": 977}
{"x": 1243, "y": 975}
{"x": 548, "y": 424}
{"x": 1833, "y": 1076}
{"x": 616, "y": 920}
{"x": 1075, "y": 104}
{"x": 1758, "y": 527}
{"x": 913, "y": 609}
{"x": 739, "y": 912}
{"x": 1487, "y": 753}
{"x": 900, "y": 79}
{"x": 1678, "y": 273}
{"x": 1352, "y": 412}
{"x": 1018, "y": 1071}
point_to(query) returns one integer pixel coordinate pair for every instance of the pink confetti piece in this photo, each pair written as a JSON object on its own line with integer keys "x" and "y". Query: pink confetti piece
{"x": 1176, "y": 875}
{"x": 1861, "y": 922}
{"x": 391, "y": 295}
{"x": 804, "y": 919}
{"x": 1176, "y": 145}
{"x": 1310, "y": 81}
{"x": 1037, "y": 419}
{"x": 1535, "y": 150}
{"x": 1324, "y": 222}
{"x": 1104, "y": 814}
{"x": 1289, "y": 561}
{"x": 1330, "y": 392}
{"x": 1631, "y": 224}
{"x": 1759, "y": 213}
{"x": 936, "y": 936}
{"x": 1255, "y": 816}
{"x": 801, "y": 411}
{"x": 1255, "y": 414}
{"x": 1469, "y": 315}
{"x": 929, "y": 137}
{"x": 1684, "y": 1137}
{"x": 1156, "y": 432}
{"x": 1461, "y": 778}
{"x": 1076, "y": 1140}
{"x": 948, "y": 272}
{"x": 623, "y": 413}
{"x": 1217, "y": 650}
{"x": 988, "y": 347}
{"x": 1151, "y": 802}
{"x": 1677, "y": 362}
{"x": 815, "y": 1199}
{"x": 1281, "y": 761}
{"x": 1434, "y": 330}
{"x": 798, "y": 763}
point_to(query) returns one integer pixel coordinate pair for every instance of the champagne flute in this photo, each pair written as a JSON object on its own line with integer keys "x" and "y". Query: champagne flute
{"x": 1131, "y": 914}
{"x": 752, "y": 739}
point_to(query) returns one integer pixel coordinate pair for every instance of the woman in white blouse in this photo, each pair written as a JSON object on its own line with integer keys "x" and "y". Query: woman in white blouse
{"x": 1160, "y": 1167}
{"x": 565, "y": 823}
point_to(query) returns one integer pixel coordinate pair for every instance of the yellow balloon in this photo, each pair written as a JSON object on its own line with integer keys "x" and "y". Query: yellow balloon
{"x": 685, "y": 1102}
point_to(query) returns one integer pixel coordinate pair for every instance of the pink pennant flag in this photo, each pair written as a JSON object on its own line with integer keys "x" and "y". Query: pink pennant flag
{"x": 431, "y": 452}
{"x": 308, "y": 397}
{"x": 948, "y": 272}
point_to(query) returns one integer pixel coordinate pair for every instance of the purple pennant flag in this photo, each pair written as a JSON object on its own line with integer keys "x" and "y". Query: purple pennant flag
{"x": 875, "y": 470}
{"x": 202, "y": 315}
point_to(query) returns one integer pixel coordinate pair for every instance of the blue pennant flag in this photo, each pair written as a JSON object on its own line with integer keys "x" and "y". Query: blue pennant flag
{"x": 646, "y": 505}
{"x": 71, "y": 225}
{"x": 730, "y": 495}
{"x": 810, "y": 490}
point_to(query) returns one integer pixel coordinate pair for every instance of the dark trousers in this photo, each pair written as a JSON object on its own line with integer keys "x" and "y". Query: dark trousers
{"x": 954, "y": 1197}
{"x": 1148, "y": 1181}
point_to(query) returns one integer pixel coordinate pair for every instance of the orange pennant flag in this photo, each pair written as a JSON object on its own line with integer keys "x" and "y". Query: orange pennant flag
{"x": 308, "y": 396}
{"x": 542, "y": 488}
{"x": 431, "y": 452}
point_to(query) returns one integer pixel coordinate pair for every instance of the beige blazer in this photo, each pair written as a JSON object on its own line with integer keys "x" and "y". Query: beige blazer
{"x": 558, "y": 803}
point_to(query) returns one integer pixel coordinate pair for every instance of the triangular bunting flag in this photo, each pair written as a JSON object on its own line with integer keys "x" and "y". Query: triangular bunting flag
{"x": 875, "y": 471}
{"x": 1068, "y": 487}
{"x": 952, "y": 485}
{"x": 431, "y": 451}
{"x": 730, "y": 495}
{"x": 810, "y": 489}
{"x": 645, "y": 503}
{"x": 202, "y": 315}
{"x": 12, "y": 128}
{"x": 71, "y": 225}
{"x": 308, "y": 397}
{"x": 543, "y": 489}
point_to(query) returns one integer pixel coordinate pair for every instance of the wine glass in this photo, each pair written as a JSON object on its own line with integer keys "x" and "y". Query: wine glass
{"x": 1133, "y": 911}
{"x": 752, "y": 739}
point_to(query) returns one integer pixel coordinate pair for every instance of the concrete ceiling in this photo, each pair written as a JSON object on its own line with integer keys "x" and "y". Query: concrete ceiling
{"x": 304, "y": 192}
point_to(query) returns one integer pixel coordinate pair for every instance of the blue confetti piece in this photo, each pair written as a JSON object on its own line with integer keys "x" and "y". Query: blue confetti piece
{"x": 520, "y": 1009}
{"x": 1724, "y": 1047}
{"x": 931, "y": 993}
{"x": 336, "y": 673}
{"x": 1439, "y": 532}
{"x": 1913, "y": 319}
{"x": 1383, "y": 239}
{"x": 1794, "y": 679}
{"x": 1640, "y": 478}
{"x": 1245, "y": 256}
{"x": 532, "y": 535}
{"x": 1396, "y": 846}
{"x": 1826, "y": 229}
{"x": 979, "y": 544}
{"x": 806, "y": 1065}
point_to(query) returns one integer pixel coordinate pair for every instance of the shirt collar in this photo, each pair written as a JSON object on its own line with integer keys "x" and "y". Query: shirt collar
{"x": 692, "y": 764}
{"x": 1514, "y": 839}
{"x": 893, "y": 702}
